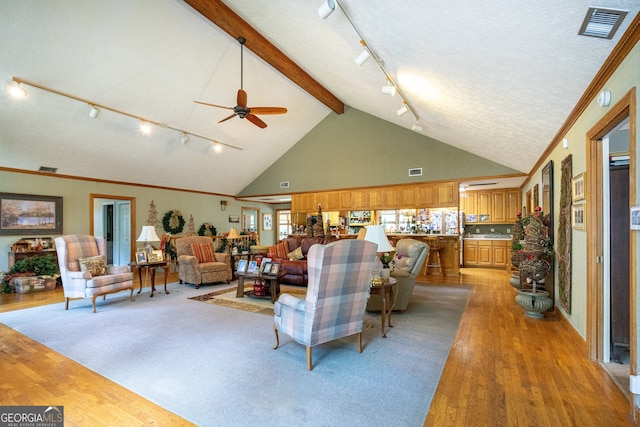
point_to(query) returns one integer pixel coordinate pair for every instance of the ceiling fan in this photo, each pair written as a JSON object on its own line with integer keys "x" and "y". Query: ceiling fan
{"x": 241, "y": 110}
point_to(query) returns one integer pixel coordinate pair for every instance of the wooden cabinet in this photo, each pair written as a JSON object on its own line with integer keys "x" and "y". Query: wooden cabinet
{"x": 391, "y": 199}
{"x": 486, "y": 253}
{"x": 498, "y": 206}
{"x": 424, "y": 196}
{"x": 447, "y": 194}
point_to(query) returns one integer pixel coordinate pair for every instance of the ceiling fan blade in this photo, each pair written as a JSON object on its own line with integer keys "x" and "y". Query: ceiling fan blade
{"x": 242, "y": 98}
{"x": 256, "y": 121}
{"x": 213, "y": 105}
{"x": 227, "y": 118}
{"x": 268, "y": 110}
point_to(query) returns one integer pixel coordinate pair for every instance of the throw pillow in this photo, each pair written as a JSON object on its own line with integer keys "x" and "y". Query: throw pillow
{"x": 203, "y": 252}
{"x": 280, "y": 250}
{"x": 295, "y": 255}
{"x": 93, "y": 264}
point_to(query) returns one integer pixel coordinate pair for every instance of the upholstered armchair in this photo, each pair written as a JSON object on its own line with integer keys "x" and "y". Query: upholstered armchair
{"x": 198, "y": 263}
{"x": 411, "y": 255}
{"x": 337, "y": 293}
{"x": 83, "y": 269}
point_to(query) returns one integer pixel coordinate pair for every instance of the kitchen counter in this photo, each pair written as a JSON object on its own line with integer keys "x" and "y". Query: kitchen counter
{"x": 488, "y": 237}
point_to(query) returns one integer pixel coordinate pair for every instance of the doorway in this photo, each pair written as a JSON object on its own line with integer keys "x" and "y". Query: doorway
{"x": 610, "y": 242}
{"x": 112, "y": 218}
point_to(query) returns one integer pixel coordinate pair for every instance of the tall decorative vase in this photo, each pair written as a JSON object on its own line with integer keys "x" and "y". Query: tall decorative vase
{"x": 534, "y": 303}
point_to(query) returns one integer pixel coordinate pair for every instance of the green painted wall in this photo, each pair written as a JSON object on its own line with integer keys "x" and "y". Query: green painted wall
{"x": 356, "y": 149}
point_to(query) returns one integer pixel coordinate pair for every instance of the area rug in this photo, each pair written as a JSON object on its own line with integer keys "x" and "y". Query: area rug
{"x": 227, "y": 298}
{"x": 215, "y": 366}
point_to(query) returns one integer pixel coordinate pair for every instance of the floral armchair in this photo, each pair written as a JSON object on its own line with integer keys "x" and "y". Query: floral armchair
{"x": 410, "y": 256}
{"x": 338, "y": 290}
{"x": 198, "y": 263}
{"x": 81, "y": 259}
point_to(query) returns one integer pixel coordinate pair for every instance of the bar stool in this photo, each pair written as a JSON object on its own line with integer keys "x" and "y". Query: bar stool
{"x": 435, "y": 247}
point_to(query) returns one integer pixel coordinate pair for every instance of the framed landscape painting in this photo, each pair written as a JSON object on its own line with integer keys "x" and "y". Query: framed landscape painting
{"x": 26, "y": 214}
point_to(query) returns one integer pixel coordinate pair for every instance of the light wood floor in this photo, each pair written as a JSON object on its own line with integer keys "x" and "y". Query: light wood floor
{"x": 503, "y": 370}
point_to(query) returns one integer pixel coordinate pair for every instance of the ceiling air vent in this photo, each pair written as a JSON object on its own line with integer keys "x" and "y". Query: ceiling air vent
{"x": 415, "y": 172}
{"x": 284, "y": 184}
{"x": 480, "y": 184}
{"x": 601, "y": 22}
{"x": 48, "y": 169}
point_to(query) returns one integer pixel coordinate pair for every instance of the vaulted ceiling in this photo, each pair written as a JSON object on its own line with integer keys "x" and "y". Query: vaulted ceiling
{"x": 497, "y": 79}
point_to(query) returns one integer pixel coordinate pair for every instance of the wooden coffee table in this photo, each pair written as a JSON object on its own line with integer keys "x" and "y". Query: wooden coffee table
{"x": 271, "y": 281}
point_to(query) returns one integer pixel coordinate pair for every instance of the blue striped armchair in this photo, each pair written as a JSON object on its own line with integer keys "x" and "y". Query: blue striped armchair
{"x": 337, "y": 293}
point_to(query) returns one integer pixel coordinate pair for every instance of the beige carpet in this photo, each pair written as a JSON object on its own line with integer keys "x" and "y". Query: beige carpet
{"x": 227, "y": 298}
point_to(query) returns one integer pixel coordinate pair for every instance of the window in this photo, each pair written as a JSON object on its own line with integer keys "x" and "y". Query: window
{"x": 284, "y": 223}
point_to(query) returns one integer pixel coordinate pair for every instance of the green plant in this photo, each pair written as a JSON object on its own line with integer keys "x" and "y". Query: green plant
{"x": 41, "y": 265}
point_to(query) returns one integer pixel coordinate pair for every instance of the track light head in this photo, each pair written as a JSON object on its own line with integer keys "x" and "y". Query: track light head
{"x": 389, "y": 89}
{"x": 93, "y": 113}
{"x": 185, "y": 138}
{"x": 362, "y": 58}
{"x": 145, "y": 128}
{"x": 217, "y": 147}
{"x": 327, "y": 8}
{"x": 416, "y": 127}
{"x": 402, "y": 109}
{"x": 17, "y": 90}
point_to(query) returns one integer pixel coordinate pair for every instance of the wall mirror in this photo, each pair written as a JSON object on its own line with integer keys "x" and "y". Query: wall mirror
{"x": 250, "y": 219}
{"x": 547, "y": 195}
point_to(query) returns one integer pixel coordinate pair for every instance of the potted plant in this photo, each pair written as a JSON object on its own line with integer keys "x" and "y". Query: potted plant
{"x": 43, "y": 266}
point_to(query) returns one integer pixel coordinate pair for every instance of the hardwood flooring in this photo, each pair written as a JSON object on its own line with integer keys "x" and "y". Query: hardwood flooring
{"x": 503, "y": 370}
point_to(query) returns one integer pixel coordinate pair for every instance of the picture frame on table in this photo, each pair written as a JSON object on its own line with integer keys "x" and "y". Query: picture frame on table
{"x": 27, "y": 214}
{"x": 156, "y": 256}
{"x": 253, "y": 267}
{"x": 578, "y": 216}
{"x": 242, "y": 266}
{"x": 577, "y": 187}
{"x": 267, "y": 222}
{"x": 265, "y": 267}
{"x": 141, "y": 257}
{"x": 275, "y": 269}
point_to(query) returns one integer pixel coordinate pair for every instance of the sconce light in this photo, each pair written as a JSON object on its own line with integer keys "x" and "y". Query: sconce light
{"x": 223, "y": 205}
{"x": 327, "y": 8}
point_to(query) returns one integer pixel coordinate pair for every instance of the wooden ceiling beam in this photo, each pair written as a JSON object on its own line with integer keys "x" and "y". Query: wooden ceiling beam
{"x": 225, "y": 18}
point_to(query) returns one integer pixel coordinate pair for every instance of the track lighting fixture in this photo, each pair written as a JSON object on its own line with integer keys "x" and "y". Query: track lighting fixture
{"x": 402, "y": 109}
{"x": 327, "y": 8}
{"x": 17, "y": 90}
{"x": 145, "y": 127}
{"x": 416, "y": 127}
{"x": 93, "y": 113}
{"x": 145, "y": 124}
{"x": 216, "y": 147}
{"x": 389, "y": 89}
{"x": 364, "y": 55}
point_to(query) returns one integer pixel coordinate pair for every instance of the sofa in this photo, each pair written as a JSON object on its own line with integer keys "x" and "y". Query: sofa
{"x": 296, "y": 269}
{"x": 409, "y": 259}
{"x": 198, "y": 263}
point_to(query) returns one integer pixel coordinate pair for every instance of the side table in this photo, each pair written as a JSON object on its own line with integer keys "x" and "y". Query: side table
{"x": 272, "y": 280}
{"x": 151, "y": 268}
{"x": 383, "y": 288}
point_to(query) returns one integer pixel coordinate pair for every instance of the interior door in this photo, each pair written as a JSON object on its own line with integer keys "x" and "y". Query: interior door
{"x": 122, "y": 233}
{"x": 619, "y": 260}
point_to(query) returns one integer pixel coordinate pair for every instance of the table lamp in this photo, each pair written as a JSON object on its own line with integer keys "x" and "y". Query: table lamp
{"x": 375, "y": 234}
{"x": 233, "y": 234}
{"x": 147, "y": 236}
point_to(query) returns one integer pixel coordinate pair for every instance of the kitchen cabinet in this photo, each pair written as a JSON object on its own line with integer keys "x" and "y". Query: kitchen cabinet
{"x": 469, "y": 205}
{"x": 513, "y": 203}
{"x": 447, "y": 194}
{"x": 484, "y": 206}
{"x": 486, "y": 253}
{"x": 496, "y": 207}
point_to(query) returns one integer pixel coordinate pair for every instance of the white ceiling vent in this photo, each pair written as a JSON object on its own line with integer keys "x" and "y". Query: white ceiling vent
{"x": 601, "y": 22}
{"x": 480, "y": 184}
{"x": 284, "y": 184}
{"x": 415, "y": 172}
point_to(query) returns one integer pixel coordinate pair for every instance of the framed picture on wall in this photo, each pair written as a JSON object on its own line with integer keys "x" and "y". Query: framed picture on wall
{"x": 578, "y": 216}
{"x": 28, "y": 214}
{"x": 267, "y": 222}
{"x": 635, "y": 217}
{"x": 577, "y": 187}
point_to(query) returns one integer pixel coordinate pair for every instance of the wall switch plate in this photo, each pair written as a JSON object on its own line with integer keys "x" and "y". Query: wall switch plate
{"x": 478, "y": 230}
{"x": 508, "y": 231}
{"x": 492, "y": 230}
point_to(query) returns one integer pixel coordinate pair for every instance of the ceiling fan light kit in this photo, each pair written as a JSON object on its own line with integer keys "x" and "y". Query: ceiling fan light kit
{"x": 327, "y": 7}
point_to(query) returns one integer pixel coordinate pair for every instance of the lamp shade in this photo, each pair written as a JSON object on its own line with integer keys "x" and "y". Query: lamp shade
{"x": 233, "y": 233}
{"x": 375, "y": 234}
{"x": 148, "y": 234}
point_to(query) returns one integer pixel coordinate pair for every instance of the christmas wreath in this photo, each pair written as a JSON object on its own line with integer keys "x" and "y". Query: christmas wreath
{"x": 172, "y": 222}
{"x": 207, "y": 229}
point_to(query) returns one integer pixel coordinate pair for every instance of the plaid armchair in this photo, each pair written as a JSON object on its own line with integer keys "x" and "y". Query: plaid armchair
{"x": 84, "y": 284}
{"x": 337, "y": 294}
